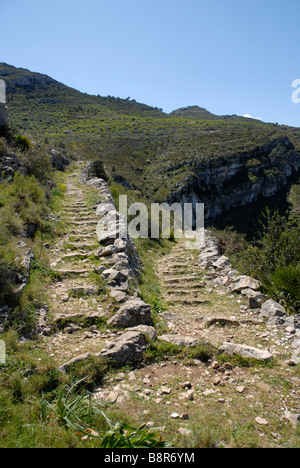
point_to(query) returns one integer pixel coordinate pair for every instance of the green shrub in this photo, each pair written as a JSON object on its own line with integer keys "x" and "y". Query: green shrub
{"x": 274, "y": 260}
{"x": 23, "y": 142}
{"x": 7, "y": 295}
{"x": 91, "y": 371}
{"x": 285, "y": 286}
{"x": 38, "y": 164}
{"x": 3, "y": 146}
{"x": 125, "y": 436}
{"x": 22, "y": 203}
{"x": 73, "y": 407}
{"x": 97, "y": 169}
{"x": 230, "y": 242}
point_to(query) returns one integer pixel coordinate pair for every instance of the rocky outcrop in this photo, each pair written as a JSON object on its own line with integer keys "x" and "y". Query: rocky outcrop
{"x": 18, "y": 280}
{"x": 236, "y": 180}
{"x": 125, "y": 349}
{"x": 9, "y": 165}
{"x": 58, "y": 160}
{"x": 21, "y": 80}
{"x": 132, "y": 313}
{"x": 232, "y": 349}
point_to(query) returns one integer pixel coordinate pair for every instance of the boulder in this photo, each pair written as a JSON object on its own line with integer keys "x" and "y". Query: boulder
{"x": 129, "y": 347}
{"x": 120, "y": 245}
{"x": 232, "y": 349}
{"x": 58, "y": 160}
{"x": 134, "y": 312}
{"x": 118, "y": 296}
{"x": 244, "y": 282}
{"x": 106, "y": 251}
{"x": 256, "y": 301}
{"x": 115, "y": 275}
{"x": 294, "y": 419}
{"x": 106, "y": 237}
{"x": 293, "y": 321}
{"x": 222, "y": 263}
{"x": 272, "y": 309}
{"x": 207, "y": 258}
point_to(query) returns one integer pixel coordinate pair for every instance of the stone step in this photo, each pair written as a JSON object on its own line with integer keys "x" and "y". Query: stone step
{"x": 78, "y": 212}
{"x": 77, "y": 237}
{"x": 69, "y": 256}
{"x": 90, "y": 222}
{"x": 82, "y": 219}
{"x": 189, "y": 302}
{"x": 178, "y": 291}
{"x": 83, "y": 245}
{"x": 66, "y": 273}
{"x": 73, "y": 317}
{"x": 88, "y": 234}
{"x": 183, "y": 279}
{"x": 75, "y": 206}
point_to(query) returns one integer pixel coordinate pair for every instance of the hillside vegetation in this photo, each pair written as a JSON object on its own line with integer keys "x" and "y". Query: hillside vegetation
{"x": 153, "y": 152}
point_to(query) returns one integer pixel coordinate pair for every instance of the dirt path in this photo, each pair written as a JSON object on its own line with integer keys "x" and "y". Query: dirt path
{"x": 75, "y": 298}
{"x": 196, "y": 308}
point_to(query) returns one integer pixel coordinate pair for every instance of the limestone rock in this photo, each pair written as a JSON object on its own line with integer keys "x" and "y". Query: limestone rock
{"x": 115, "y": 275}
{"x": 245, "y": 351}
{"x": 134, "y": 312}
{"x": 222, "y": 263}
{"x": 118, "y": 296}
{"x": 256, "y": 301}
{"x": 65, "y": 367}
{"x": 261, "y": 421}
{"x": 179, "y": 340}
{"x": 129, "y": 347}
{"x": 244, "y": 282}
{"x": 150, "y": 332}
{"x": 293, "y": 418}
{"x": 58, "y": 160}
{"x": 272, "y": 309}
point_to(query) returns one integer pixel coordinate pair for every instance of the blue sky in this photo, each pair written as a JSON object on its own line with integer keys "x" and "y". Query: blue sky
{"x": 229, "y": 56}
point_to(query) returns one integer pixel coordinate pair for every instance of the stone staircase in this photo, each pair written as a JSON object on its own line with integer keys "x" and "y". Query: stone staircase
{"x": 75, "y": 294}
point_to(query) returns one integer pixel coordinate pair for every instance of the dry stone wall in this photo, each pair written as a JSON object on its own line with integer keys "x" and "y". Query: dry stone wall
{"x": 219, "y": 269}
{"x": 121, "y": 279}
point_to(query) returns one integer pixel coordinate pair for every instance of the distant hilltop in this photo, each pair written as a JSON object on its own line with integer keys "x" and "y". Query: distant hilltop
{"x": 193, "y": 112}
{"x": 196, "y": 112}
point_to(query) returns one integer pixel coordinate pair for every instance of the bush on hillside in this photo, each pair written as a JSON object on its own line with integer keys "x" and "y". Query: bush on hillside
{"x": 22, "y": 203}
{"x": 274, "y": 260}
{"x": 23, "y": 142}
{"x": 38, "y": 163}
{"x": 97, "y": 170}
{"x": 285, "y": 286}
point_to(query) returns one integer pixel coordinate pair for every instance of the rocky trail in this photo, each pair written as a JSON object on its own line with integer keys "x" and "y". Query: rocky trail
{"x": 205, "y": 301}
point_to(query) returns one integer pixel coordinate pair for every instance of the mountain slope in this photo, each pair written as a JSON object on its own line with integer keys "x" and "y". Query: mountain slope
{"x": 156, "y": 154}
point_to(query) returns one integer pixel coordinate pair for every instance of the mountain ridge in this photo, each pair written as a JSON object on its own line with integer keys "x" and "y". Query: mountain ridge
{"x": 153, "y": 155}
